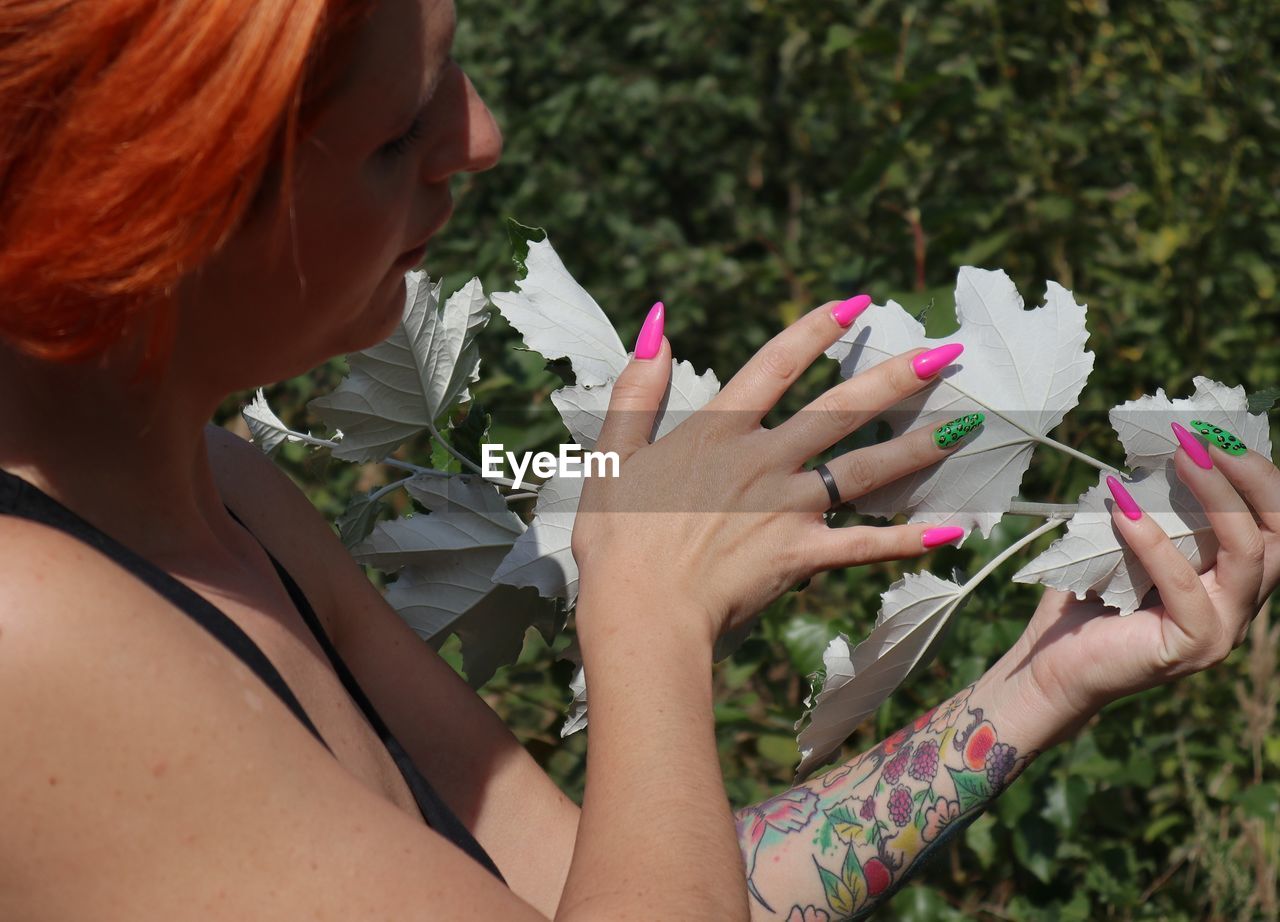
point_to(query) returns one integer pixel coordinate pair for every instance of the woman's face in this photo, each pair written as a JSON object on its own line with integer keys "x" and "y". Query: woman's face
{"x": 366, "y": 192}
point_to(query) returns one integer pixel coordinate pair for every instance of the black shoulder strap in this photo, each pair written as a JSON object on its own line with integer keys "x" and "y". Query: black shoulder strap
{"x": 435, "y": 811}
{"x": 18, "y": 497}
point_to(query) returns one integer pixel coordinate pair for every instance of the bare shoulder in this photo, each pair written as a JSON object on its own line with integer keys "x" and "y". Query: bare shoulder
{"x": 171, "y": 780}
{"x": 281, "y": 516}
{"x": 508, "y": 802}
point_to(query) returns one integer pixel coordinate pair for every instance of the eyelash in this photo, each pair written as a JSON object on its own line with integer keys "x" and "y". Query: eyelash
{"x": 402, "y": 144}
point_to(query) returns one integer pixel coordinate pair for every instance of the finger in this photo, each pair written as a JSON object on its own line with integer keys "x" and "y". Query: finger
{"x": 1239, "y": 565}
{"x": 860, "y": 471}
{"x": 1192, "y": 633}
{"x": 753, "y": 391}
{"x": 638, "y": 391}
{"x": 859, "y": 544}
{"x": 866, "y": 395}
{"x": 1252, "y": 474}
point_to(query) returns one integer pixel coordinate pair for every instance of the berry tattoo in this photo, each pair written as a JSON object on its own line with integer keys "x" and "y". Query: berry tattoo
{"x": 1000, "y": 759}
{"x": 924, "y": 765}
{"x": 894, "y": 769}
{"x": 900, "y": 805}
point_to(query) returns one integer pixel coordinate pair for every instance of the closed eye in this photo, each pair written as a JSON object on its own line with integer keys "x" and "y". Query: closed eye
{"x": 402, "y": 144}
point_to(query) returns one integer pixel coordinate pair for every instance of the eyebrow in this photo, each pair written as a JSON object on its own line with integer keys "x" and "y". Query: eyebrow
{"x": 425, "y": 98}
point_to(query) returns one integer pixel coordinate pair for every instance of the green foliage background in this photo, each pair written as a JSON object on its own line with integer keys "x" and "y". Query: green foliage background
{"x": 746, "y": 161}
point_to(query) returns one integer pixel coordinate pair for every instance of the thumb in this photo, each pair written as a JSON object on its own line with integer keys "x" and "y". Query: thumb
{"x": 638, "y": 391}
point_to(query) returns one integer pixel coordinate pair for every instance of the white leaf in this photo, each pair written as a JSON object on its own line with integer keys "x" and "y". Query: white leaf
{"x": 446, "y": 561}
{"x": 577, "y": 719}
{"x": 1144, "y": 424}
{"x": 268, "y": 430}
{"x": 402, "y": 385}
{"x": 1023, "y": 369}
{"x": 914, "y": 611}
{"x": 491, "y": 629}
{"x": 583, "y": 408}
{"x": 465, "y": 517}
{"x": 1093, "y": 556}
{"x": 559, "y": 319}
{"x": 460, "y": 494}
{"x": 542, "y": 557}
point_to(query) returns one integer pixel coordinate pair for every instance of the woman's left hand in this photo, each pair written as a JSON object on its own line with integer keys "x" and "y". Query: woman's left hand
{"x": 1082, "y": 655}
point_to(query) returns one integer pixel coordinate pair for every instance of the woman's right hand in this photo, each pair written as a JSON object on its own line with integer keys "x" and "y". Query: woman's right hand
{"x": 720, "y": 513}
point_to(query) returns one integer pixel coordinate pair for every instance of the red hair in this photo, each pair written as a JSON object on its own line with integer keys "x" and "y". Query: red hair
{"x": 135, "y": 136}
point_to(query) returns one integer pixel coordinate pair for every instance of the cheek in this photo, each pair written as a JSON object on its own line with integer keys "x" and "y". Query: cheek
{"x": 352, "y": 248}
{"x": 346, "y": 232}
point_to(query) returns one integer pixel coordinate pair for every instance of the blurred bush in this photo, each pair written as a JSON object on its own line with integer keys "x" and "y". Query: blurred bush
{"x": 746, "y": 161}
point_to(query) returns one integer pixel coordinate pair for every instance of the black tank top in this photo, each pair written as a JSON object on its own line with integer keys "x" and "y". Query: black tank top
{"x": 18, "y": 497}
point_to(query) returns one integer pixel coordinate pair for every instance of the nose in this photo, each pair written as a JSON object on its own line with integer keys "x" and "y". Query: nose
{"x": 486, "y": 136}
{"x": 473, "y": 143}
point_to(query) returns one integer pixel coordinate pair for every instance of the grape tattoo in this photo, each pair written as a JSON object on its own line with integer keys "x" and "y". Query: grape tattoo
{"x": 900, "y": 805}
{"x": 925, "y": 763}
{"x": 1000, "y": 759}
{"x": 895, "y": 767}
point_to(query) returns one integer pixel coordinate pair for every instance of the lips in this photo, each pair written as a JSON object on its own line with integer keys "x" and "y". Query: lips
{"x": 439, "y": 223}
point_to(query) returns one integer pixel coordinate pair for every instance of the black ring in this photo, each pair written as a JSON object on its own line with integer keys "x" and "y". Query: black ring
{"x": 830, "y": 482}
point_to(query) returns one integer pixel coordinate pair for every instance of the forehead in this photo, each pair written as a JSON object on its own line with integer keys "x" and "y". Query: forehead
{"x": 394, "y": 57}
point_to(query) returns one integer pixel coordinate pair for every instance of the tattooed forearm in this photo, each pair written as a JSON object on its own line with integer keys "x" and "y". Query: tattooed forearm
{"x": 868, "y": 825}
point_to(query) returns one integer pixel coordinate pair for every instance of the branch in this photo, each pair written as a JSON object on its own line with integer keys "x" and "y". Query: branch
{"x": 1037, "y": 437}
{"x": 1009, "y": 552}
{"x": 417, "y": 468}
{"x": 1042, "y": 510}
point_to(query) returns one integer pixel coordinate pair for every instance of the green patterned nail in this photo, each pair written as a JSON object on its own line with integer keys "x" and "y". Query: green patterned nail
{"x": 948, "y": 434}
{"x": 1220, "y": 437}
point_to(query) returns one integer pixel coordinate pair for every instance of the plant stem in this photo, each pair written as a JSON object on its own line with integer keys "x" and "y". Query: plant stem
{"x": 1035, "y": 436}
{"x": 466, "y": 462}
{"x": 395, "y": 485}
{"x": 1042, "y": 510}
{"x": 1008, "y": 552}
{"x": 417, "y": 468}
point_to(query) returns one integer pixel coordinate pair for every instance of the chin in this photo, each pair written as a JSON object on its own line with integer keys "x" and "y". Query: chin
{"x": 380, "y": 316}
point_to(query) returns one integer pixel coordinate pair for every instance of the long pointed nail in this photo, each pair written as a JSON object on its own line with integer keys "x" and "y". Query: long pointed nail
{"x": 650, "y": 339}
{"x": 846, "y": 311}
{"x": 1199, "y": 454}
{"x": 933, "y": 361}
{"x": 1220, "y": 437}
{"x": 941, "y": 535}
{"x": 1123, "y": 499}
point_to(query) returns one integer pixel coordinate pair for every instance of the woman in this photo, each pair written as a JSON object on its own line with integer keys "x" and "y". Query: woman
{"x": 164, "y": 767}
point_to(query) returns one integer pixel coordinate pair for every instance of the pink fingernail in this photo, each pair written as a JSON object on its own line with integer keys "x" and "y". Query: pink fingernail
{"x": 650, "y": 339}
{"x": 1123, "y": 499}
{"x": 935, "y": 536}
{"x": 1197, "y": 451}
{"x": 846, "y": 311}
{"x": 933, "y": 361}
